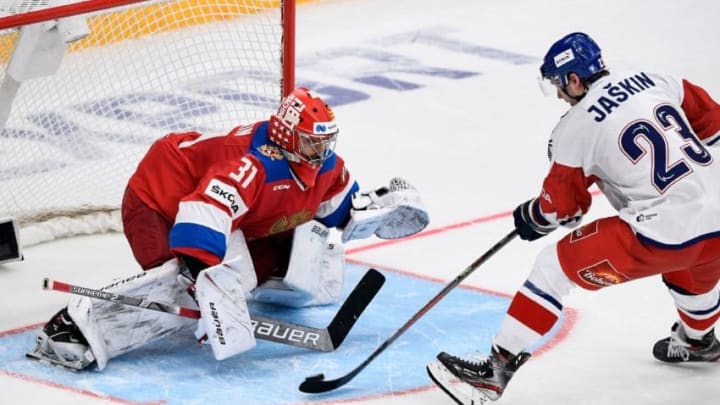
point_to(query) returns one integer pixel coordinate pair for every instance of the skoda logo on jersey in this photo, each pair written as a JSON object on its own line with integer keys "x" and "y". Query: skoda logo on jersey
{"x": 226, "y": 195}
{"x": 322, "y": 128}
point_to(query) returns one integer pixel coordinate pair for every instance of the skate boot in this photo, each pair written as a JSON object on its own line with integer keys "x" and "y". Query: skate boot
{"x": 679, "y": 348}
{"x": 61, "y": 343}
{"x": 482, "y": 381}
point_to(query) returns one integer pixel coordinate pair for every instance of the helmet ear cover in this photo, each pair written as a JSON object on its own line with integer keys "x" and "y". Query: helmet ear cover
{"x": 304, "y": 126}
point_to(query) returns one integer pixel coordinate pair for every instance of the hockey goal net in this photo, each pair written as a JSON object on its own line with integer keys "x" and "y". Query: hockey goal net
{"x": 86, "y": 87}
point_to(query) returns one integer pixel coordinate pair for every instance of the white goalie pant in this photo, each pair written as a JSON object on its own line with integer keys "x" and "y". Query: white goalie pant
{"x": 315, "y": 274}
{"x": 112, "y": 328}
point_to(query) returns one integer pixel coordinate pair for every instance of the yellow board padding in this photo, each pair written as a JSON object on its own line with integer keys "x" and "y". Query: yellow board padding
{"x": 134, "y": 23}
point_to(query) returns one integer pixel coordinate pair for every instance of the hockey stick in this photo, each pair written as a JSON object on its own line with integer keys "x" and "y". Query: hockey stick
{"x": 317, "y": 383}
{"x": 318, "y": 339}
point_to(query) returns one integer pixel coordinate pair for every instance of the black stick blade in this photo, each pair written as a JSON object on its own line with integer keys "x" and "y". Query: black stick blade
{"x": 312, "y": 384}
{"x": 317, "y": 384}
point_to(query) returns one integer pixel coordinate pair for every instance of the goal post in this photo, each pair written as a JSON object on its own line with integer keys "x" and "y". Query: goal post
{"x": 86, "y": 87}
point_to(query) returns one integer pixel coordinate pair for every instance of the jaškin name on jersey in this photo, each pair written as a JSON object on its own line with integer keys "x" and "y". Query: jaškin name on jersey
{"x": 651, "y": 134}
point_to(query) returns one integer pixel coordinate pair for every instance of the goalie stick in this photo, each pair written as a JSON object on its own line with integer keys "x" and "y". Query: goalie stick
{"x": 319, "y": 339}
{"x": 317, "y": 383}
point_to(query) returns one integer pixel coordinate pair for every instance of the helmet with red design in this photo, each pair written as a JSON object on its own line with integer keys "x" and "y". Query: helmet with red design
{"x": 304, "y": 127}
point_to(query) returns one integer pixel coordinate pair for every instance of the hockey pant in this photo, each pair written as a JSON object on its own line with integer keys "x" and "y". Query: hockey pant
{"x": 604, "y": 253}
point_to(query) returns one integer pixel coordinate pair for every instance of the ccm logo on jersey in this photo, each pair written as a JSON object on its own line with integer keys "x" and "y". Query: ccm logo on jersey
{"x": 281, "y": 187}
{"x": 226, "y": 195}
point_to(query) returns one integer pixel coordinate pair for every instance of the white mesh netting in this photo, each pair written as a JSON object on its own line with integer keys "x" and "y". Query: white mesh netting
{"x": 73, "y": 138}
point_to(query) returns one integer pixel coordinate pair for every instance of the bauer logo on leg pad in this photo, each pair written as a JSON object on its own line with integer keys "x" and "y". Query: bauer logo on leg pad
{"x": 219, "y": 335}
{"x": 321, "y": 231}
{"x": 225, "y": 314}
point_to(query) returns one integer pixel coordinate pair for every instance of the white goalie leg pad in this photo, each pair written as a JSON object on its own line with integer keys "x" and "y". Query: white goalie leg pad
{"x": 225, "y": 317}
{"x": 315, "y": 274}
{"x": 238, "y": 259}
{"x": 242, "y": 265}
{"x": 112, "y": 329}
{"x": 391, "y": 212}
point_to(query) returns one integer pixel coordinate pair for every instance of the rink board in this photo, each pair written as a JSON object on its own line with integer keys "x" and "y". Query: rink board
{"x": 176, "y": 370}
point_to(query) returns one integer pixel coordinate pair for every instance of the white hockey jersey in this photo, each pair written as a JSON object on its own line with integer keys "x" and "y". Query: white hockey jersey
{"x": 642, "y": 138}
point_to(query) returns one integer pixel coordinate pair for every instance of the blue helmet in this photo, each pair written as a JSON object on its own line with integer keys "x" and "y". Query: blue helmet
{"x": 575, "y": 52}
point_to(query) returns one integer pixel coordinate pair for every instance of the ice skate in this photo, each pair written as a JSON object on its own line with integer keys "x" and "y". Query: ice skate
{"x": 678, "y": 348}
{"x": 61, "y": 343}
{"x": 475, "y": 383}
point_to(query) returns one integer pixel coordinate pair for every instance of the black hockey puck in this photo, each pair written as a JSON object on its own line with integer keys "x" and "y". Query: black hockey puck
{"x": 315, "y": 377}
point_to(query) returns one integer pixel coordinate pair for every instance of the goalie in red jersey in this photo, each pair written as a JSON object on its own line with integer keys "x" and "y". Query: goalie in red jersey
{"x": 225, "y": 216}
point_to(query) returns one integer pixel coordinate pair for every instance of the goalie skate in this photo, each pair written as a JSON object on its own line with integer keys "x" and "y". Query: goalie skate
{"x": 60, "y": 343}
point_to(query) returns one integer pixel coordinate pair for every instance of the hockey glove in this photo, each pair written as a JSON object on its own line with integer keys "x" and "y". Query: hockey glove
{"x": 391, "y": 212}
{"x": 529, "y": 222}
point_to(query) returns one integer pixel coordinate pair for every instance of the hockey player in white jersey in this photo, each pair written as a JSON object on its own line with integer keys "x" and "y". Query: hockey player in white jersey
{"x": 642, "y": 138}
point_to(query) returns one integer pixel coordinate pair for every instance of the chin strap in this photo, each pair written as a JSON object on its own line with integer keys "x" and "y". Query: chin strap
{"x": 304, "y": 175}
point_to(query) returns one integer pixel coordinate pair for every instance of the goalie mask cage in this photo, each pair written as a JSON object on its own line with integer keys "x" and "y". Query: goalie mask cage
{"x": 86, "y": 87}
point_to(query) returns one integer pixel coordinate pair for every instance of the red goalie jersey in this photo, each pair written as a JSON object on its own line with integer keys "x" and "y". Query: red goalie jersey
{"x": 211, "y": 186}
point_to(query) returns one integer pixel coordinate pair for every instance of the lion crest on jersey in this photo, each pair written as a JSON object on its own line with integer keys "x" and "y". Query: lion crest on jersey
{"x": 271, "y": 151}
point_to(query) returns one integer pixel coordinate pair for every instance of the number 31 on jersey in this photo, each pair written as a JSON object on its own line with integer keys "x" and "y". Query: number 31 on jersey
{"x": 245, "y": 173}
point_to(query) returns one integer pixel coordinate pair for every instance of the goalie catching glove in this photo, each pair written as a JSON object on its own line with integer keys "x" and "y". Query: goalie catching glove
{"x": 391, "y": 212}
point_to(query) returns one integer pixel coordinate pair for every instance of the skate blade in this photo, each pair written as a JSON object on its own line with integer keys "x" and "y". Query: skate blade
{"x": 41, "y": 357}
{"x": 460, "y": 392}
